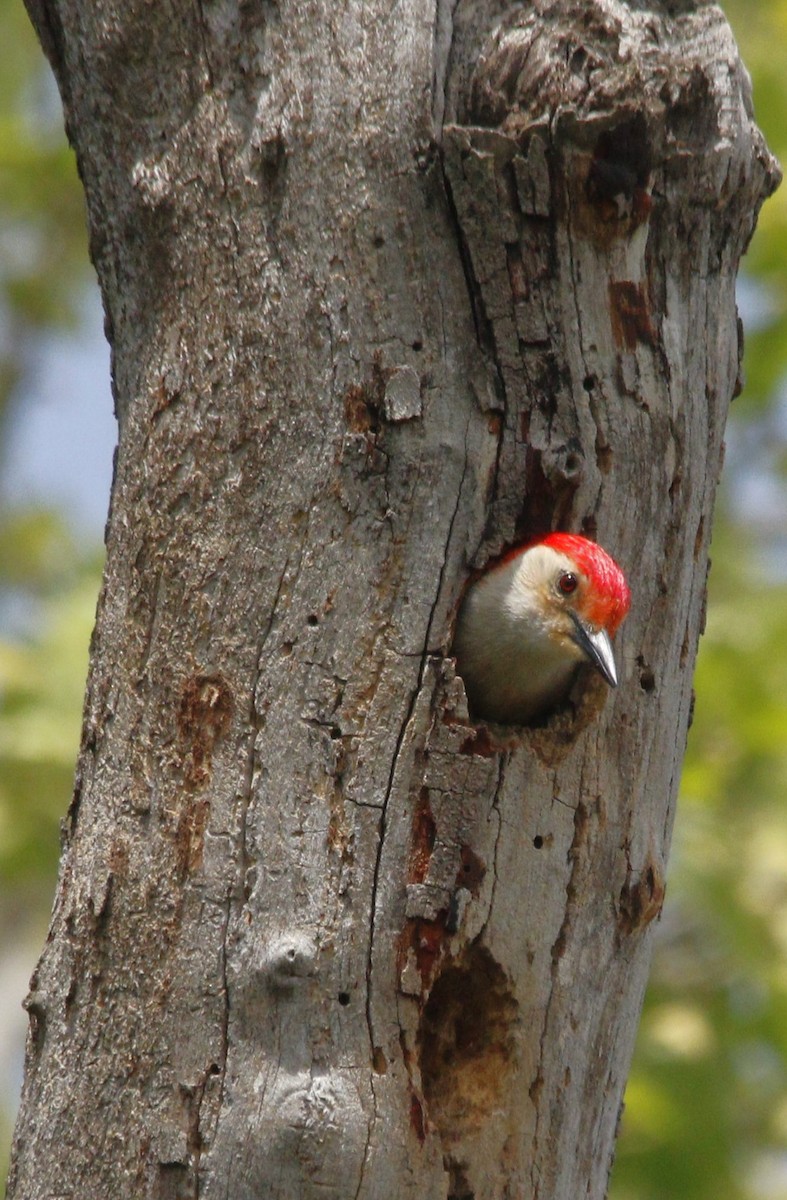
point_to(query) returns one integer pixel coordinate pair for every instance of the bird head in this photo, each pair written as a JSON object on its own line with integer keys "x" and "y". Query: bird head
{"x": 575, "y": 594}
{"x": 531, "y": 619}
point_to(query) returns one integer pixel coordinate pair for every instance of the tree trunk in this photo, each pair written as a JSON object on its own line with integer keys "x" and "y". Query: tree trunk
{"x": 388, "y": 288}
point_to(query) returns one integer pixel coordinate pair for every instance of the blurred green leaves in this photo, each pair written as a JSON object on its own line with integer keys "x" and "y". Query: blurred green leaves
{"x": 48, "y": 582}
{"x": 706, "y": 1105}
{"x": 760, "y": 27}
{"x": 52, "y": 586}
{"x": 43, "y": 242}
{"x": 706, "y": 1111}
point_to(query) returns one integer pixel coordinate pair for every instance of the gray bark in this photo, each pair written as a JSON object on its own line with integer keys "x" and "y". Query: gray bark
{"x": 388, "y": 287}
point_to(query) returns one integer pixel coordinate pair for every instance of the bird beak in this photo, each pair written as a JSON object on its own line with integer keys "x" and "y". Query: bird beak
{"x": 597, "y": 647}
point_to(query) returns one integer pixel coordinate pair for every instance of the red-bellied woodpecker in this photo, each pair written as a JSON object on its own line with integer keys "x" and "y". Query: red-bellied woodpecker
{"x": 527, "y": 623}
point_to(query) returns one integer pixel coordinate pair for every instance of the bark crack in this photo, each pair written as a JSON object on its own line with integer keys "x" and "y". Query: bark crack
{"x": 225, "y": 1016}
{"x": 425, "y": 658}
{"x": 495, "y": 807}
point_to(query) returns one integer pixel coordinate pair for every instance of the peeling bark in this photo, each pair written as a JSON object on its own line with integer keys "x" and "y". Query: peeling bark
{"x": 388, "y": 288}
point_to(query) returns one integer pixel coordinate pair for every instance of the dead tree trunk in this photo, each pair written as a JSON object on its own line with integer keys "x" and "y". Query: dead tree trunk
{"x": 388, "y": 287}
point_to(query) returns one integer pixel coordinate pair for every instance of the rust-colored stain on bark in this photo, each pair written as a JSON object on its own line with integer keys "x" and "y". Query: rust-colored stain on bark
{"x": 630, "y": 314}
{"x": 641, "y": 899}
{"x": 480, "y": 742}
{"x": 364, "y": 402}
{"x": 422, "y": 838}
{"x": 204, "y": 715}
{"x": 426, "y": 940}
{"x": 358, "y": 413}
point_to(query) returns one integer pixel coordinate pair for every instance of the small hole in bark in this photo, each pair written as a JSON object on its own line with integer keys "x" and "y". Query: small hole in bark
{"x": 378, "y": 241}
{"x": 418, "y": 344}
{"x": 578, "y": 60}
{"x": 312, "y": 619}
{"x": 214, "y": 1069}
{"x": 589, "y": 383}
{"x": 286, "y": 647}
{"x": 471, "y": 871}
{"x": 343, "y": 998}
{"x": 647, "y": 680}
{"x": 538, "y": 841}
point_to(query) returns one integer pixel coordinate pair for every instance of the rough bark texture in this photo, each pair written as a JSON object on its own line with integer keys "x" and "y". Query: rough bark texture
{"x": 388, "y": 286}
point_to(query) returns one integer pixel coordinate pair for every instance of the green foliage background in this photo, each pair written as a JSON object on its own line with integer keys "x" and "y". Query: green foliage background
{"x": 706, "y": 1106}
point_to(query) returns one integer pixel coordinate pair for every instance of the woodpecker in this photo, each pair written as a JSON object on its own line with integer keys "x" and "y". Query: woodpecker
{"x": 527, "y": 623}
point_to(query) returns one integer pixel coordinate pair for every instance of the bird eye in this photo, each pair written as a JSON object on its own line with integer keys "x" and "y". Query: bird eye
{"x": 568, "y": 583}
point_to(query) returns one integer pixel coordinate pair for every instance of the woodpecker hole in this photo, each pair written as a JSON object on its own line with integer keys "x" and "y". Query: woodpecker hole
{"x": 343, "y": 998}
{"x": 312, "y": 619}
{"x": 621, "y": 160}
{"x": 538, "y": 841}
{"x": 467, "y": 1046}
{"x": 616, "y": 187}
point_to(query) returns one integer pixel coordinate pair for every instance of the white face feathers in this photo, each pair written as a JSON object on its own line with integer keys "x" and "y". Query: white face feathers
{"x": 527, "y": 624}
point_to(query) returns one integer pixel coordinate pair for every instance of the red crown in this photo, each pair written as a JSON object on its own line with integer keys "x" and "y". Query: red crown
{"x": 609, "y": 599}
